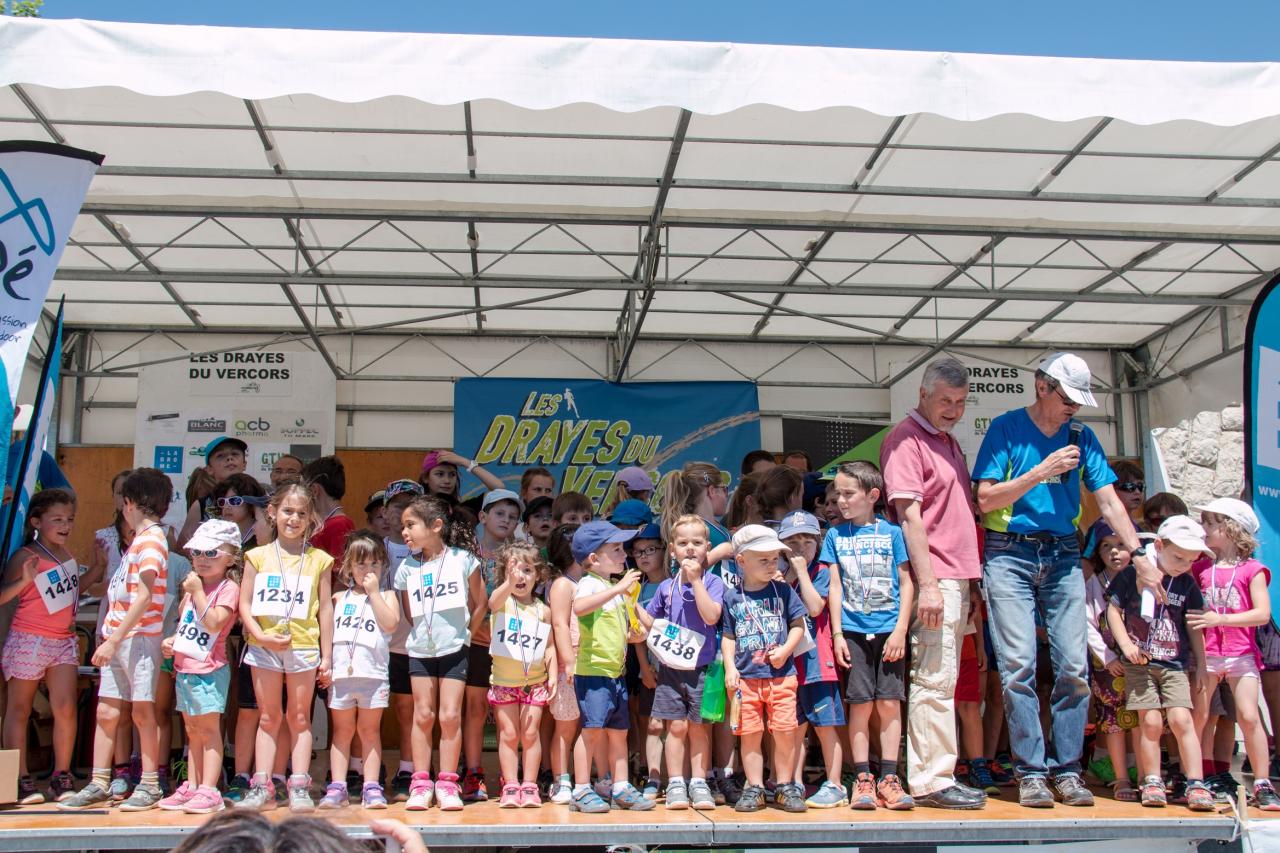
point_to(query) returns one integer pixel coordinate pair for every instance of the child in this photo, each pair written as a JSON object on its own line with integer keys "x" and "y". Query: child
{"x": 565, "y": 635}
{"x": 537, "y": 521}
{"x": 45, "y": 579}
{"x": 375, "y": 516}
{"x": 631, "y": 515}
{"x": 1234, "y": 587}
{"x": 762, "y": 624}
{"x": 241, "y": 499}
{"x": 818, "y": 698}
{"x": 867, "y": 558}
{"x": 691, "y": 605}
{"x": 364, "y": 615}
{"x": 210, "y": 602}
{"x": 440, "y": 474}
{"x": 223, "y": 456}
{"x": 1159, "y": 652}
{"x": 130, "y": 655}
{"x": 630, "y": 484}
{"x": 443, "y": 593}
{"x": 535, "y": 483}
{"x": 601, "y": 609}
{"x": 396, "y": 497}
{"x": 1106, "y": 670}
{"x": 286, "y": 606}
{"x": 571, "y": 508}
{"x": 524, "y": 663}
{"x": 649, "y": 556}
{"x": 499, "y": 515}
{"x": 326, "y": 479}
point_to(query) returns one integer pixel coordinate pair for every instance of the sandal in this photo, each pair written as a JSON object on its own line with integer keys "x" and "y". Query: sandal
{"x": 1123, "y": 792}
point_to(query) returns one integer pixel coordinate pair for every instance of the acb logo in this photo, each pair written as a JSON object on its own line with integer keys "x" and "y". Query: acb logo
{"x": 255, "y": 425}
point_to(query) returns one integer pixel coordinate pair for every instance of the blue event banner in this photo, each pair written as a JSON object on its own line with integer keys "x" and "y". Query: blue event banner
{"x": 1262, "y": 424}
{"x": 585, "y": 431}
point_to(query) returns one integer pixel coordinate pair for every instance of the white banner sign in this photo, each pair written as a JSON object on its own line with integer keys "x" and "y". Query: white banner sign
{"x": 276, "y": 401}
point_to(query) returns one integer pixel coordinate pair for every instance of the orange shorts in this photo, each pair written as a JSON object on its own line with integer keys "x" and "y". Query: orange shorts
{"x": 775, "y": 697}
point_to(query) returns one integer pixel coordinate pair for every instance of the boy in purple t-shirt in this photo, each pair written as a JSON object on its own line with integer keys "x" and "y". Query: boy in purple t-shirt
{"x": 681, "y": 621}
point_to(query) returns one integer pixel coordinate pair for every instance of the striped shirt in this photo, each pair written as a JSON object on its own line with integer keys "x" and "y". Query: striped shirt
{"x": 149, "y": 552}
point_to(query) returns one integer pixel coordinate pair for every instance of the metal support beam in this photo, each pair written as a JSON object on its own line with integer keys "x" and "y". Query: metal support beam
{"x": 311, "y": 331}
{"x": 646, "y": 269}
{"x": 473, "y": 236}
{"x": 963, "y": 269}
{"x": 815, "y": 248}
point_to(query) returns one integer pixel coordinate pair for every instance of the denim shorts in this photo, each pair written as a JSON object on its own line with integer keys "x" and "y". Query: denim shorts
{"x": 203, "y": 693}
{"x": 602, "y": 702}
{"x": 819, "y": 704}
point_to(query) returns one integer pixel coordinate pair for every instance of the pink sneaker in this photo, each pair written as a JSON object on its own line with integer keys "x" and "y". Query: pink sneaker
{"x": 529, "y": 796}
{"x": 510, "y": 798}
{"x": 177, "y": 801}
{"x": 448, "y": 795}
{"x": 204, "y": 801}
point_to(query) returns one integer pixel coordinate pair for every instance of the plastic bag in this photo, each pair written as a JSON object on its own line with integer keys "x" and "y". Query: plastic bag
{"x": 713, "y": 692}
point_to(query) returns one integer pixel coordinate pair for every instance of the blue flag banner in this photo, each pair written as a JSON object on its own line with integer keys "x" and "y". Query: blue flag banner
{"x": 585, "y": 431}
{"x": 42, "y": 186}
{"x": 33, "y": 444}
{"x": 1262, "y": 424}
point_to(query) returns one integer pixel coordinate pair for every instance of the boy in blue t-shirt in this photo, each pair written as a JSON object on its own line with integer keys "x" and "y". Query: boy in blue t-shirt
{"x": 870, "y": 572}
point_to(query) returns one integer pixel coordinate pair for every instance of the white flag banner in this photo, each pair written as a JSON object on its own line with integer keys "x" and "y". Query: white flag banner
{"x": 42, "y": 186}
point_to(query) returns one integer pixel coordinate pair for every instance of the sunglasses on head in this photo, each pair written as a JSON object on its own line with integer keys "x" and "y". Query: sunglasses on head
{"x": 1131, "y": 487}
{"x": 241, "y": 500}
{"x": 211, "y": 553}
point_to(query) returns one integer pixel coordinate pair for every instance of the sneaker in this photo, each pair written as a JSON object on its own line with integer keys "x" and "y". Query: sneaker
{"x": 587, "y": 802}
{"x": 28, "y": 793}
{"x": 260, "y": 796}
{"x": 237, "y": 788}
{"x": 1153, "y": 795}
{"x": 864, "y": 793}
{"x": 980, "y": 777}
{"x": 529, "y": 796}
{"x": 730, "y": 789}
{"x": 1265, "y": 797}
{"x": 473, "y": 787}
{"x": 560, "y": 793}
{"x": 135, "y": 770}
{"x": 61, "y": 786}
{"x": 770, "y": 791}
{"x": 1200, "y": 798}
{"x": 177, "y": 801}
{"x": 510, "y": 798}
{"x": 144, "y": 798}
{"x": 448, "y": 796}
{"x": 889, "y": 793}
{"x": 631, "y": 799}
{"x": 1102, "y": 770}
{"x": 204, "y": 801}
{"x": 829, "y": 796}
{"x": 371, "y": 796}
{"x": 1072, "y": 791}
{"x": 791, "y": 797}
{"x": 335, "y": 796}
{"x": 650, "y": 790}
{"x": 121, "y": 784}
{"x": 677, "y": 796}
{"x": 1001, "y": 776}
{"x": 421, "y": 792}
{"x": 87, "y": 797}
{"x": 700, "y": 796}
{"x": 1224, "y": 786}
{"x": 1177, "y": 789}
{"x": 163, "y": 781}
{"x": 752, "y": 799}
{"x": 1033, "y": 793}
{"x": 545, "y": 780}
{"x": 300, "y": 795}
{"x": 603, "y": 787}
{"x": 400, "y": 786}
{"x": 714, "y": 784}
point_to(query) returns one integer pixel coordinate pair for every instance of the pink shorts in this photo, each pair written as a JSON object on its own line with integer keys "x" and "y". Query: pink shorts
{"x": 29, "y": 656}
{"x": 535, "y": 695}
{"x": 1239, "y": 666}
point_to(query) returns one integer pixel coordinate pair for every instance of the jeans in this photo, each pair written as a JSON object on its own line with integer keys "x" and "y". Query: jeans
{"x": 931, "y": 711}
{"x": 1023, "y": 579}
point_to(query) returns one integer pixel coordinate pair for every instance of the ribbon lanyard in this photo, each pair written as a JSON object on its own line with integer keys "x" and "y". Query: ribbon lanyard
{"x": 351, "y": 644}
{"x": 75, "y": 604}
{"x": 297, "y": 587}
{"x": 209, "y": 601}
{"x": 1159, "y": 617}
{"x": 431, "y": 616}
{"x": 863, "y": 583}
{"x": 1213, "y": 592}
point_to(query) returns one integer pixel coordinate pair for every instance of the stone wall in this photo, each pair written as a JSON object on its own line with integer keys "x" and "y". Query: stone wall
{"x": 1204, "y": 456}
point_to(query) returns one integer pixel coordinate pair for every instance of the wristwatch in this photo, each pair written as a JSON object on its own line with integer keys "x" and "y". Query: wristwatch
{"x": 1140, "y": 551}
{"x": 474, "y": 464}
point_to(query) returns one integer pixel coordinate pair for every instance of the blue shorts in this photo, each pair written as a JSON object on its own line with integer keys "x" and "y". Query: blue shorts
{"x": 820, "y": 704}
{"x": 205, "y": 693}
{"x": 602, "y": 702}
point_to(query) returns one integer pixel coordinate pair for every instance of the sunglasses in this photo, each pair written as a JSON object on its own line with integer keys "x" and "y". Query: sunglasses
{"x": 644, "y": 552}
{"x": 1131, "y": 487}
{"x": 241, "y": 500}
{"x": 1066, "y": 401}
{"x": 196, "y": 552}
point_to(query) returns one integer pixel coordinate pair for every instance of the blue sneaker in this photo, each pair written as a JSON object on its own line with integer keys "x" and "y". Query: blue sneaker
{"x": 631, "y": 799}
{"x": 588, "y": 802}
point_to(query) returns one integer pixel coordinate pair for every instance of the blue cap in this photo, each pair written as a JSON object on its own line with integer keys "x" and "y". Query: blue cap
{"x": 650, "y": 531}
{"x": 798, "y": 522}
{"x": 221, "y": 440}
{"x": 593, "y": 535}
{"x": 631, "y": 512}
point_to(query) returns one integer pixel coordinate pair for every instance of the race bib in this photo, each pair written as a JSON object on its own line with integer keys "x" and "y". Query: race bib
{"x": 519, "y": 639}
{"x": 59, "y": 587}
{"x": 805, "y": 645}
{"x": 674, "y": 645}
{"x": 431, "y": 593}
{"x": 275, "y": 595}
{"x": 193, "y": 639}
{"x": 350, "y": 627}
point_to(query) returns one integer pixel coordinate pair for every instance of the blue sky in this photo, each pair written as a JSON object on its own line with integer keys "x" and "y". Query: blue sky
{"x": 1140, "y": 29}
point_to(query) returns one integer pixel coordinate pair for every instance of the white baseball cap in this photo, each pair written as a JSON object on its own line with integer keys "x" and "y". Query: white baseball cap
{"x": 1072, "y": 375}
{"x": 1236, "y": 510}
{"x": 756, "y": 537}
{"x": 212, "y": 533}
{"x": 1184, "y": 532}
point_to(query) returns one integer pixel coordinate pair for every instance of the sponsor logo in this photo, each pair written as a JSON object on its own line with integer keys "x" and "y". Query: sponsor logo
{"x": 257, "y": 427}
{"x": 207, "y": 425}
{"x": 348, "y": 609}
{"x": 273, "y": 582}
{"x": 251, "y": 388}
{"x": 300, "y": 430}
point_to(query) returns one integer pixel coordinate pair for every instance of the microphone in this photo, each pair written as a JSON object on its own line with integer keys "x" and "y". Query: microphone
{"x": 1074, "y": 439}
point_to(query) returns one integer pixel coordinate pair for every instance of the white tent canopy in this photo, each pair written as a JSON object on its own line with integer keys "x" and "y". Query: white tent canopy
{"x": 360, "y": 192}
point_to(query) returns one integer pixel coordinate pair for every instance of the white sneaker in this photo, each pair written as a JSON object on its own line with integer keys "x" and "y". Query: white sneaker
{"x": 421, "y": 793}
{"x": 448, "y": 795}
{"x": 561, "y": 794}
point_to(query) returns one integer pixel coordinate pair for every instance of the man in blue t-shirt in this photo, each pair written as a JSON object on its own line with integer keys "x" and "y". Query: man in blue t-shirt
{"x": 1028, "y": 475}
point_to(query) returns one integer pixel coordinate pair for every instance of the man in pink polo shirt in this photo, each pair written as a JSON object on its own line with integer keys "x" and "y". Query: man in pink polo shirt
{"x": 928, "y": 492}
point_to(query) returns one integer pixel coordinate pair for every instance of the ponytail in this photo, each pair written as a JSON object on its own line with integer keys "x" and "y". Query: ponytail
{"x": 682, "y": 492}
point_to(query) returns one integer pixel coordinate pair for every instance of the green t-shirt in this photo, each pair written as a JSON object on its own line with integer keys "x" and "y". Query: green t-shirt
{"x": 602, "y": 643}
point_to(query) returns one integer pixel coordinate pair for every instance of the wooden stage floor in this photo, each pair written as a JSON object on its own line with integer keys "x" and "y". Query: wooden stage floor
{"x": 485, "y": 825}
